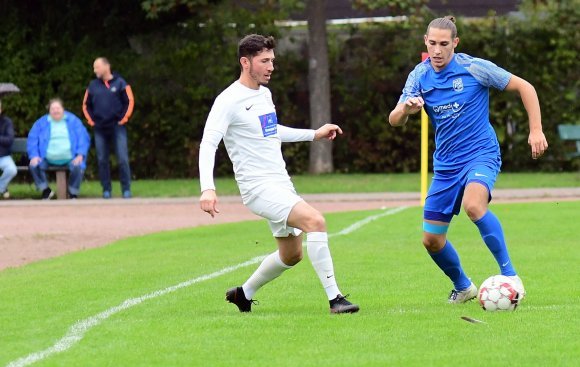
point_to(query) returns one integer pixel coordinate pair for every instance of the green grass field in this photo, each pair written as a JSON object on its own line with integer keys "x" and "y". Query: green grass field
{"x": 404, "y": 320}
{"x": 308, "y": 184}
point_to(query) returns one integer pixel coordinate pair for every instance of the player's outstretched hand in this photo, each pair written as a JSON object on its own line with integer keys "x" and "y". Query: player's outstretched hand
{"x": 538, "y": 143}
{"x": 327, "y": 131}
{"x": 413, "y": 105}
{"x": 208, "y": 202}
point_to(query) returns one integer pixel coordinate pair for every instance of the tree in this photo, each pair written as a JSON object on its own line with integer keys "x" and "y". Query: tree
{"x": 321, "y": 158}
{"x": 318, "y": 85}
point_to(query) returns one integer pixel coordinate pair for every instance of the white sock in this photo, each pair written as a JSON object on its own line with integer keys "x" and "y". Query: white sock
{"x": 319, "y": 254}
{"x": 270, "y": 268}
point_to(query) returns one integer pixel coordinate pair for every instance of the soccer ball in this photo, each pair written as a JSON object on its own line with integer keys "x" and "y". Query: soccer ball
{"x": 498, "y": 293}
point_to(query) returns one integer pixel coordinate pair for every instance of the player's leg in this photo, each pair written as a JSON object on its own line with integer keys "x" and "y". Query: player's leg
{"x": 306, "y": 218}
{"x": 274, "y": 204}
{"x": 445, "y": 256}
{"x": 480, "y": 182}
{"x": 289, "y": 253}
{"x": 440, "y": 206}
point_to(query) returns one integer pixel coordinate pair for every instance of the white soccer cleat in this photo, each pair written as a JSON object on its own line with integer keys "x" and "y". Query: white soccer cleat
{"x": 464, "y": 295}
{"x": 519, "y": 285}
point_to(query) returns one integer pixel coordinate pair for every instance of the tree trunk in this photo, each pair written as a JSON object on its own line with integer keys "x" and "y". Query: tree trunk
{"x": 318, "y": 85}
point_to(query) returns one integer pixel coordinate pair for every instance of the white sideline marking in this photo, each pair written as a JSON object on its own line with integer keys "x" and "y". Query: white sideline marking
{"x": 78, "y": 330}
{"x": 357, "y": 225}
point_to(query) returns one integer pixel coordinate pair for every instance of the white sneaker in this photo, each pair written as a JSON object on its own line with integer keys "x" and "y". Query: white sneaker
{"x": 6, "y": 195}
{"x": 519, "y": 285}
{"x": 464, "y": 295}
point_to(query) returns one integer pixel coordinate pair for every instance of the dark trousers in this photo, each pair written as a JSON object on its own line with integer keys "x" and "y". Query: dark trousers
{"x": 107, "y": 141}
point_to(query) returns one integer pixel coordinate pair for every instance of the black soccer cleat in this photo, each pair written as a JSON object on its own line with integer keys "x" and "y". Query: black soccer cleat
{"x": 341, "y": 305}
{"x": 237, "y": 297}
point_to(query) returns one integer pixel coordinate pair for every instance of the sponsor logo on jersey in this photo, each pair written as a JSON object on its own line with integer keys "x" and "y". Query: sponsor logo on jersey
{"x": 269, "y": 123}
{"x": 113, "y": 89}
{"x": 450, "y": 107}
{"x": 458, "y": 85}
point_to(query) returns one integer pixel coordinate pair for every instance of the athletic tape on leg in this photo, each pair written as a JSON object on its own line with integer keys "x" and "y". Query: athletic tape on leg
{"x": 435, "y": 228}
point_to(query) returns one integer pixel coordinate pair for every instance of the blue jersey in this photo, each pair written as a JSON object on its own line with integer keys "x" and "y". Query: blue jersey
{"x": 457, "y": 102}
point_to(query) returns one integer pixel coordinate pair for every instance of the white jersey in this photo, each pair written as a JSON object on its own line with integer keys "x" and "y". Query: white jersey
{"x": 246, "y": 120}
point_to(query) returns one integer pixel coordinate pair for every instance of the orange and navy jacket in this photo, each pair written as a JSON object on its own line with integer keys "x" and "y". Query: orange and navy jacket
{"x": 108, "y": 103}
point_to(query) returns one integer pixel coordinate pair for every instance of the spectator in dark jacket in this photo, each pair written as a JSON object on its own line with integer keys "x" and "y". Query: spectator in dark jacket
{"x": 58, "y": 139}
{"x": 7, "y": 165}
{"x": 108, "y": 105}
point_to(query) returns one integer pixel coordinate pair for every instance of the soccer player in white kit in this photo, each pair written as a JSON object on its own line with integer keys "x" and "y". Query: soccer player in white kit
{"x": 244, "y": 116}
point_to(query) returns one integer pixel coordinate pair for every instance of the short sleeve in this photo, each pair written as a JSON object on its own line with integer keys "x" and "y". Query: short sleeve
{"x": 412, "y": 86}
{"x": 489, "y": 74}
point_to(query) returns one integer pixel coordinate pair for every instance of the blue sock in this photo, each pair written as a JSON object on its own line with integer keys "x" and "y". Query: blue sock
{"x": 492, "y": 234}
{"x": 448, "y": 260}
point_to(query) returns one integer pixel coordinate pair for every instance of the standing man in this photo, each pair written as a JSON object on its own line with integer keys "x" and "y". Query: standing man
{"x": 107, "y": 106}
{"x": 454, "y": 89}
{"x": 7, "y": 165}
{"x": 244, "y": 116}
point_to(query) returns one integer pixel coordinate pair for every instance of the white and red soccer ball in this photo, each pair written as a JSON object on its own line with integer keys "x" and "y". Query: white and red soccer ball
{"x": 499, "y": 293}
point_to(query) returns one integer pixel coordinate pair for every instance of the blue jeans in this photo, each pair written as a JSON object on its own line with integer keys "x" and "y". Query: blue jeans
{"x": 8, "y": 169}
{"x": 75, "y": 178}
{"x": 105, "y": 142}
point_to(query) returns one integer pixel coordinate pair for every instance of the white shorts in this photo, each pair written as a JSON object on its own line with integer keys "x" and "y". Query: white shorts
{"x": 274, "y": 203}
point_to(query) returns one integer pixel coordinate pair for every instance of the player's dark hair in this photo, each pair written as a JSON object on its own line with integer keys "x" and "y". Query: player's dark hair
{"x": 253, "y": 44}
{"x": 447, "y": 22}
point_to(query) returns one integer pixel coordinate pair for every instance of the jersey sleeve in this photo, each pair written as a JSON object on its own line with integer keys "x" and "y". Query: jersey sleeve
{"x": 218, "y": 119}
{"x": 412, "y": 86}
{"x": 292, "y": 135}
{"x": 489, "y": 74}
{"x": 216, "y": 127}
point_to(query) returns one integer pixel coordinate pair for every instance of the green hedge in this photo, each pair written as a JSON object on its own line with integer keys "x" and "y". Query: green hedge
{"x": 176, "y": 69}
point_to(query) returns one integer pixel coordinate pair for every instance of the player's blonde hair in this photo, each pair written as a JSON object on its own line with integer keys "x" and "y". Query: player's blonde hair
{"x": 447, "y": 22}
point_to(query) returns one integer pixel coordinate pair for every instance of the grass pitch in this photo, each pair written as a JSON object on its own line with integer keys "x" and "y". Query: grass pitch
{"x": 404, "y": 320}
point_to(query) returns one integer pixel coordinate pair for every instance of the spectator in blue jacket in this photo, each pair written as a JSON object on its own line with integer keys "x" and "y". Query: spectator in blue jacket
{"x": 7, "y": 165}
{"x": 58, "y": 139}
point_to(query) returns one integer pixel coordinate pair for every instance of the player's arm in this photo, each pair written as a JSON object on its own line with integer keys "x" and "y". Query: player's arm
{"x": 215, "y": 129}
{"x": 207, "y": 149}
{"x": 410, "y": 101}
{"x": 527, "y": 92}
{"x": 400, "y": 114}
{"x": 291, "y": 135}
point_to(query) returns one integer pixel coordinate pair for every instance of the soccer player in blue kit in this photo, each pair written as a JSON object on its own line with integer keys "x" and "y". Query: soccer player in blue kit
{"x": 454, "y": 89}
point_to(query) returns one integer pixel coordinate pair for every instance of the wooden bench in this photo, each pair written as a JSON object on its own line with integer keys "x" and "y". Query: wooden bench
{"x": 19, "y": 147}
{"x": 571, "y": 133}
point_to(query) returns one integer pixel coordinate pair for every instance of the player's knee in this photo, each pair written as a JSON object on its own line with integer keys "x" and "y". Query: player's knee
{"x": 433, "y": 242}
{"x": 474, "y": 210}
{"x": 316, "y": 223}
{"x": 293, "y": 257}
{"x": 296, "y": 258}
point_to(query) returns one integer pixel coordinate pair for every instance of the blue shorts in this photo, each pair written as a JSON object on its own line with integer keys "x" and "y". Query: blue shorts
{"x": 446, "y": 192}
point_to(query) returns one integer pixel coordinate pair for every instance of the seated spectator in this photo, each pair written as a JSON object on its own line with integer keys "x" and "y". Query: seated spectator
{"x": 7, "y": 165}
{"x": 58, "y": 139}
